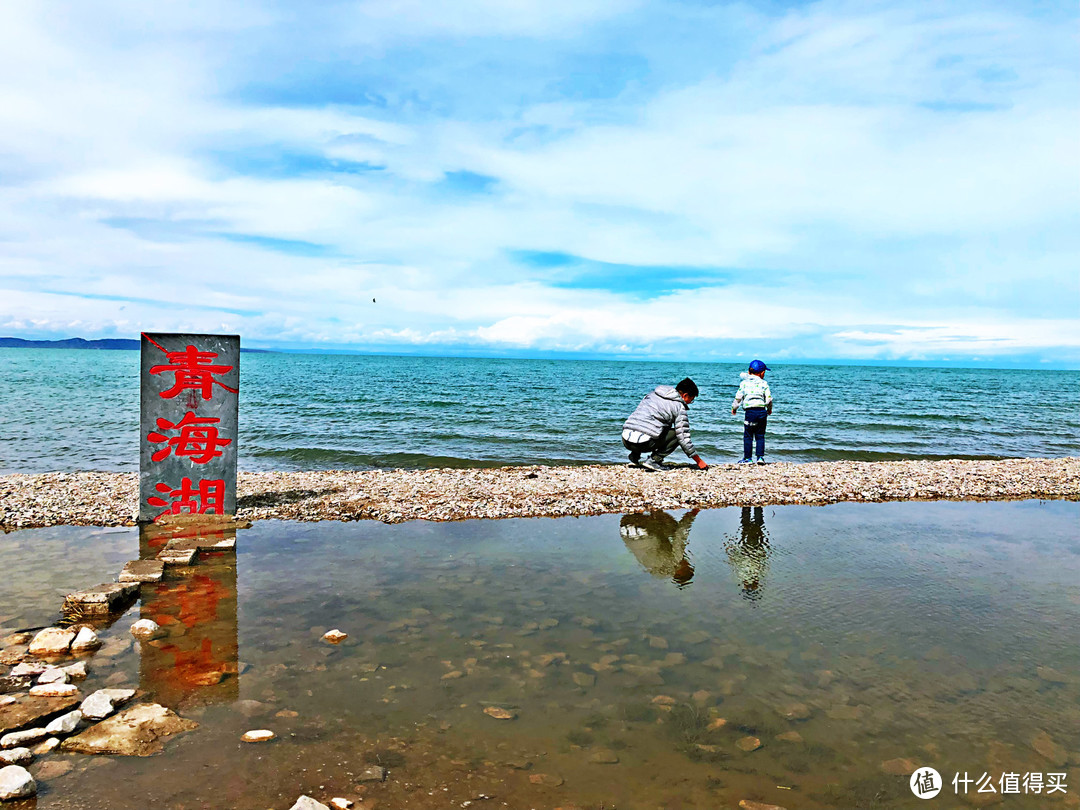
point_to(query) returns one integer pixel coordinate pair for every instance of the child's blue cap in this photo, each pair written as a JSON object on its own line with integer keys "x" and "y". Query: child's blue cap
{"x": 757, "y": 366}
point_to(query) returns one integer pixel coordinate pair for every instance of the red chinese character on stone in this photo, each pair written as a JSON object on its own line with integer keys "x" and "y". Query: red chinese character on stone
{"x": 194, "y": 370}
{"x": 196, "y": 441}
{"x": 208, "y": 498}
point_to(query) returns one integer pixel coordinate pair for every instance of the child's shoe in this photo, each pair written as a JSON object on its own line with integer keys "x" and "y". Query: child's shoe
{"x": 746, "y": 461}
{"x": 761, "y": 460}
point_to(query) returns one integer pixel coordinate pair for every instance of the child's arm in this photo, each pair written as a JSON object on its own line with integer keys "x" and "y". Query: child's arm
{"x": 737, "y": 401}
{"x": 768, "y": 400}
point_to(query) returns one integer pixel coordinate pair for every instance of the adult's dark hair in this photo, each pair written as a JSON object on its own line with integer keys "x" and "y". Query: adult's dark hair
{"x": 687, "y": 386}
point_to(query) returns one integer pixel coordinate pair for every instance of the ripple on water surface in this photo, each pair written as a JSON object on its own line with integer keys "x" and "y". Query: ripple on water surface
{"x": 805, "y": 657}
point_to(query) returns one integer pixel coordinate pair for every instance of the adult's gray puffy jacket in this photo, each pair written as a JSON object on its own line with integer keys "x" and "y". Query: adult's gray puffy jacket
{"x": 660, "y": 410}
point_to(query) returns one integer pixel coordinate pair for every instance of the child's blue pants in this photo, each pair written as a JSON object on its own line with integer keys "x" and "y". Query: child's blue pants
{"x": 754, "y": 420}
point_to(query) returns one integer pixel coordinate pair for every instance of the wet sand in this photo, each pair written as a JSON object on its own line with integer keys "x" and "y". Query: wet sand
{"x": 394, "y": 496}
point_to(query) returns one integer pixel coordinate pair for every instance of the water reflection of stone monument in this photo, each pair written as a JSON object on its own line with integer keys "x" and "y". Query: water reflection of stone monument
{"x": 748, "y": 553}
{"x": 659, "y": 542}
{"x": 195, "y": 661}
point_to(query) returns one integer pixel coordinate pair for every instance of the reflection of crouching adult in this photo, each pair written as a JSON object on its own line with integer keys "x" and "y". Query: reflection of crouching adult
{"x": 659, "y": 424}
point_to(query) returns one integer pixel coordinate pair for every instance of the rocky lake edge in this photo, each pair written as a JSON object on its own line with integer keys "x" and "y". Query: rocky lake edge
{"x": 395, "y": 496}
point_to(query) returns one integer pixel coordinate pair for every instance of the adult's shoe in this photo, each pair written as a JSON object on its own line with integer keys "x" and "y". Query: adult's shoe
{"x": 653, "y": 464}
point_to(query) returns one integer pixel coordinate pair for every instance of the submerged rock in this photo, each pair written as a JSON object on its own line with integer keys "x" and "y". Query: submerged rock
{"x": 748, "y": 804}
{"x": 604, "y": 756}
{"x": 16, "y": 783}
{"x": 899, "y": 766}
{"x": 748, "y": 744}
{"x": 137, "y": 731}
{"x": 376, "y": 773}
{"x": 500, "y": 713}
{"x": 335, "y": 636}
{"x": 1044, "y": 744}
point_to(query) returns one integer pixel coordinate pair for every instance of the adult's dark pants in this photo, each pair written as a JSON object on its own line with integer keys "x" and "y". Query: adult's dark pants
{"x": 663, "y": 445}
{"x": 754, "y": 420}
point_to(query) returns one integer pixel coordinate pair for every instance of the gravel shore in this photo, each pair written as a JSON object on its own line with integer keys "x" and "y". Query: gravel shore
{"x": 393, "y": 496}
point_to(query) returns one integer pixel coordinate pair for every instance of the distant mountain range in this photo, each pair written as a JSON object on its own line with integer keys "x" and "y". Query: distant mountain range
{"x": 80, "y": 343}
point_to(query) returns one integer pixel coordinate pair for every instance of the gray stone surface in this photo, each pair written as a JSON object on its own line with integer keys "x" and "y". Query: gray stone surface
{"x": 103, "y": 599}
{"x": 16, "y": 783}
{"x": 137, "y": 731}
{"x": 171, "y": 388}
{"x": 143, "y": 571}
{"x": 376, "y": 773}
{"x": 178, "y": 556}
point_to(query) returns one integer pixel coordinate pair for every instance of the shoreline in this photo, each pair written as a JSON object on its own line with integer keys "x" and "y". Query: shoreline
{"x": 394, "y": 496}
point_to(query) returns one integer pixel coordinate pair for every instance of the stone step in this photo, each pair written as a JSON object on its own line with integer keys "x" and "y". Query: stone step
{"x": 107, "y": 598}
{"x": 143, "y": 571}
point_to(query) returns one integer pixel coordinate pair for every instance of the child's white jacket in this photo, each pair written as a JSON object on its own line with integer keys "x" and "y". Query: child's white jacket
{"x": 753, "y": 393}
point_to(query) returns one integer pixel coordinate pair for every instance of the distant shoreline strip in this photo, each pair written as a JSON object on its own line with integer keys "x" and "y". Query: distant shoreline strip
{"x": 394, "y": 496}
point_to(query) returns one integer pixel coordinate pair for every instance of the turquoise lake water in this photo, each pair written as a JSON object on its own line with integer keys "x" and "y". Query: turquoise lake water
{"x": 78, "y": 410}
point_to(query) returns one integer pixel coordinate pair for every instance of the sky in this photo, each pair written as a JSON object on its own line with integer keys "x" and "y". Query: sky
{"x": 862, "y": 181}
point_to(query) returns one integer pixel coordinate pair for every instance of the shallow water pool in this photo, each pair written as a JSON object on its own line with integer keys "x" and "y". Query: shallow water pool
{"x": 807, "y": 657}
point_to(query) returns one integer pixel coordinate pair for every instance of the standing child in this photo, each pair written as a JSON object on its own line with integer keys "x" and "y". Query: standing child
{"x": 756, "y": 399}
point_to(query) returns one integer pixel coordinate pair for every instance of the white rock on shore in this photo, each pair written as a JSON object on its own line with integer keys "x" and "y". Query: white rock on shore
{"x": 85, "y": 640}
{"x": 308, "y": 803}
{"x": 17, "y": 738}
{"x": 52, "y": 641}
{"x": 16, "y": 783}
{"x": 145, "y": 629}
{"x": 65, "y": 724}
{"x": 54, "y": 690}
{"x": 16, "y": 756}
{"x": 104, "y": 702}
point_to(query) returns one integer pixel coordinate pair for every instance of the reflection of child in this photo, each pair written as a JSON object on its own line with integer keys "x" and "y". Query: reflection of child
{"x": 756, "y": 399}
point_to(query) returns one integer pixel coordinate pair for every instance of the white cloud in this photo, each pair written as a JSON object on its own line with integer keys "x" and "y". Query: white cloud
{"x": 899, "y": 165}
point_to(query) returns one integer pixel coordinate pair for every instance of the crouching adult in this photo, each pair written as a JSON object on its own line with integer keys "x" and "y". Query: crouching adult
{"x": 660, "y": 424}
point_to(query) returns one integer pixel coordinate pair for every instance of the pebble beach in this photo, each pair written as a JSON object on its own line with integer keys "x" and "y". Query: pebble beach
{"x": 395, "y": 496}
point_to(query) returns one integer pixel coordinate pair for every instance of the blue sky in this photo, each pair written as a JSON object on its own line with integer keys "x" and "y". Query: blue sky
{"x": 865, "y": 181}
